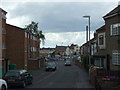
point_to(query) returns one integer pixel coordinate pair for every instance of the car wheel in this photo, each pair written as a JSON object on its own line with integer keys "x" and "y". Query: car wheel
{"x": 24, "y": 84}
{"x": 3, "y": 87}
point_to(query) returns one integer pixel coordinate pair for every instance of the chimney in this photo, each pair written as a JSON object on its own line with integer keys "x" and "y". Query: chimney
{"x": 119, "y": 3}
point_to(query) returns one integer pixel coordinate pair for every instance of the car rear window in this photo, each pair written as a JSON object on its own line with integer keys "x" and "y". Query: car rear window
{"x": 12, "y": 74}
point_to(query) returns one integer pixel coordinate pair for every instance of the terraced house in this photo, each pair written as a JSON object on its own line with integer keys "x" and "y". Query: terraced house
{"x": 105, "y": 46}
{"x": 17, "y": 46}
{"x": 112, "y": 26}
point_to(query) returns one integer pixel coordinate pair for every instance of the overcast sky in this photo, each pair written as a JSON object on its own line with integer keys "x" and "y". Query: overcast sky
{"x": 61, "y": 22}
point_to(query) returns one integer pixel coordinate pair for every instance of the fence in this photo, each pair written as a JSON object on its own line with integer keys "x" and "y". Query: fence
{"x": 108, "y": 79}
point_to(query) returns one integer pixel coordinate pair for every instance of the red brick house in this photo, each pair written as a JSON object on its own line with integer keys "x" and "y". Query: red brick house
{"x": 17, "y": 46}
{"x": 3, "y": 58}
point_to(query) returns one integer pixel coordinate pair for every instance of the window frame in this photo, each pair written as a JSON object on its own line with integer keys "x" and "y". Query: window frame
{"x": 101, "y": 39}
{"x": 116, "y": 57}
{"x": 115, "y": 29}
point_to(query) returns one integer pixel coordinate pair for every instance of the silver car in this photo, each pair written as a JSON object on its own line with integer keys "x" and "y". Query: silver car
{"x": 51, "y": 66}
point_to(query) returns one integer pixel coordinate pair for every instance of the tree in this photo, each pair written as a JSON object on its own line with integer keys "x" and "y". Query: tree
{"x": 33, "y": 29}
{"x": 40, "y": 36}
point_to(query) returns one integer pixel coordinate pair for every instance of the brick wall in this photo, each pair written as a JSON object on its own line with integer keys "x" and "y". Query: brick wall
{"x": 15, "y": 45}
{"x": 33, "y": 64}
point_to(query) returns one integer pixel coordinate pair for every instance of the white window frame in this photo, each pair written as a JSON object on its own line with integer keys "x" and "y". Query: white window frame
{"x": 116, "y": 57}
{"x": 101, "y": 39}
{"x": 98, "y": 62}
{"x": 115, "y": 29}
{"x": 34, "y": 49}
{"x": 102, "y": 46}
{"x": 25, "y": 34}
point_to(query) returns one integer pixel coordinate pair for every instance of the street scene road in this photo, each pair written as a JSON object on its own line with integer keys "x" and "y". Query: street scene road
{"x": 64, "y": 77}
{"x": 40, "y": 40}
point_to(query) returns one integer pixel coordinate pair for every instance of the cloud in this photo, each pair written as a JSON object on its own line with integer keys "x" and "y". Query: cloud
{"x": 61, "y": 0}
{"x": 59, "y": 17}
{"x": 60, "y": 21}
{"x": 67, "y": 38}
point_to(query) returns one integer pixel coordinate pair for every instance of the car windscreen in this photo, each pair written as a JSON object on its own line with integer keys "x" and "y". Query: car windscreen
{"x": 51, "y": 64}
{"x": 12, "y": 74}
{"x": 67, "y": 61}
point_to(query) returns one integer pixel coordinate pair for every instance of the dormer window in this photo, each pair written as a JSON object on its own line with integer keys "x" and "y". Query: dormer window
{"x": 115, "y": 29}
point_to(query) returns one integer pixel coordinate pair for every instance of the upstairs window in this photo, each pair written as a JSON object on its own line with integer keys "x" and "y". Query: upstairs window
{"x": 4, "y": 15}
{"x": 115, "y": 29}
{"x": 116, "y": 57}
{"x": 101, "y": 40}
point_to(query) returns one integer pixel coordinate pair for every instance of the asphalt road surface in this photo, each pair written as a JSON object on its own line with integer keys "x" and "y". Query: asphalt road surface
{"x": 63, "y": 77}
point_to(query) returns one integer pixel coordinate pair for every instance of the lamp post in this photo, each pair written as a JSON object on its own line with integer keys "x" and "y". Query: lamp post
{"x": 89, "y": 34}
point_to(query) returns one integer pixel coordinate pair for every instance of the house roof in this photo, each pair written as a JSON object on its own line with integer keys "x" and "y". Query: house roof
{"x": 47, "y": 48}
{"x": 72, "y": 46}
{"x": 3, "y": 11}
{"x": 62, "y": 48}
{"x": 115, "y": 11}
{"x": 101, "y": 29}
{"x": 15, "y": 26}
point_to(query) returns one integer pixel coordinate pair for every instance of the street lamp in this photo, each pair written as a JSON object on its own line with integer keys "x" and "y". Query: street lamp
{"x": 89, "y": 34}
{"x": 89, "y": 24}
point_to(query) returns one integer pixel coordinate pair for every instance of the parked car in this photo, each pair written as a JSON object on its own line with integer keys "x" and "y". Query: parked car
{"x": 67, "y": 63}
{"x": 18, "y": 78}
{"x": 3, "y": 84}
{"x": 51, "y": 66}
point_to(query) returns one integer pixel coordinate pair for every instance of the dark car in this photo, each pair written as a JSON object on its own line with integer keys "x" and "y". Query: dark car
{"x": 18, "y": 78}
{"x": 51, "y": 66}
{"x": 67, "y": 63}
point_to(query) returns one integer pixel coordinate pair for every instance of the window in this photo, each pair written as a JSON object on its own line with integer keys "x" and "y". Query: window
{"x": 25, "y": 49}
{"x": 99, "y": 62}
{"x": 115, "y": 29}
{"x": 34, "y": 38}
{"x": 2, "y": 31}
{"x": 3, "y": 15}
{"x": 34, "y": 49}
{"x": 25, "y": 34}
{"x": 3, "y": 45}
{"x": 116, "y": 57}
{"x": 101, "y": 40}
